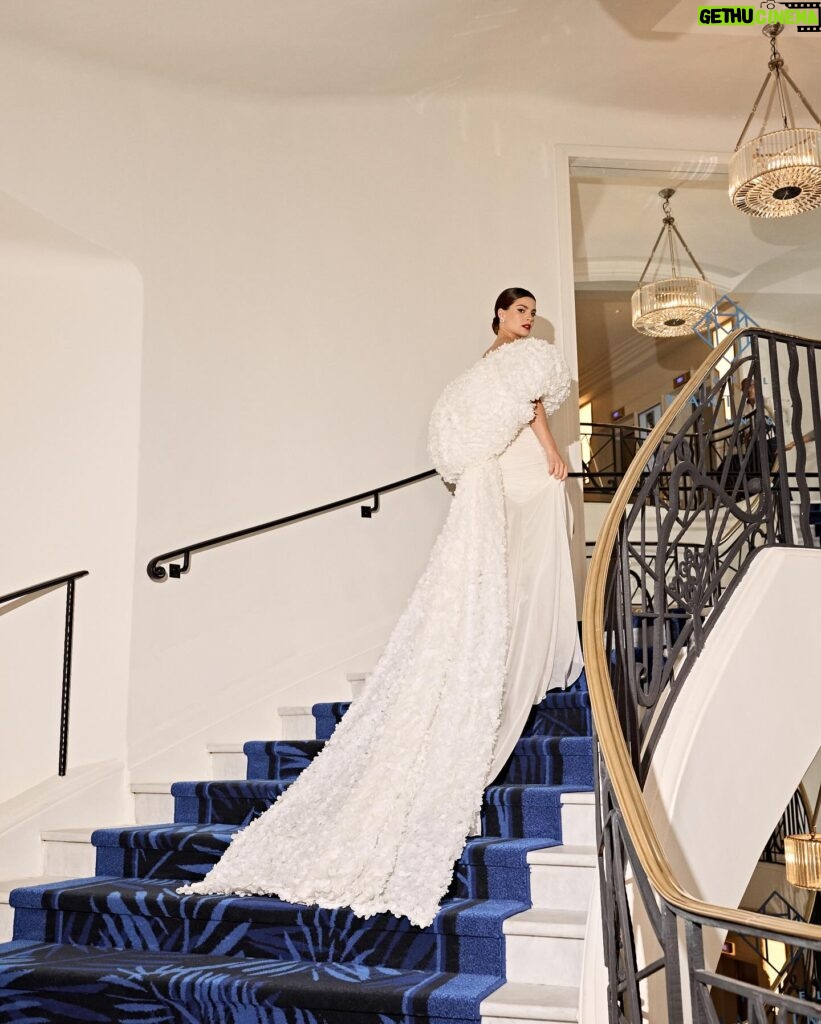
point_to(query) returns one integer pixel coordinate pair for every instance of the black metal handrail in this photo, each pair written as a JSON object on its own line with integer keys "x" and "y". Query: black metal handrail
{"x": 68, "y": 642}
{"x": 157, "y": 572}
{"x": 598, "y": 479}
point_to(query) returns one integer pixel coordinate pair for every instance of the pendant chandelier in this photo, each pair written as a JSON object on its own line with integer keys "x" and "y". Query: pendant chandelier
{"x": 802, "y": 855}
{"x": 777, "y": 174}
{"x": 672, "y": 306}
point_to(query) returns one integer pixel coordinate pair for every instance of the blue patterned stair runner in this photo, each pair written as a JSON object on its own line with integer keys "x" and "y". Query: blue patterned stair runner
{"x": 123, "y": 946}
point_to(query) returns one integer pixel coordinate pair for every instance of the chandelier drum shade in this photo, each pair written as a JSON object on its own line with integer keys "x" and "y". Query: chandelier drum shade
{"x": 666, "y": 309}
{"x": 778, "y": 173}
{"x": 671, "y": 306}
{"x": 802, "y": 854}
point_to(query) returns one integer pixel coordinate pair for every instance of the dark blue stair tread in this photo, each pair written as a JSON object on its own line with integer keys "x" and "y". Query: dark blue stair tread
{"x": 545, "y": 718}
{"x": 142, "y": 897}
{"x": 250, "y": 789}
{"x": 307, "y": 748}
{"x": 538, "y": 758}
{"x": 310, "y": 748}
{"x": 478, "y": 849}
{"x": 55, "y": 983}
{"x": 515, "y": 810}
{"x": 490, "y": 868}
{"x": 279, "y": 758}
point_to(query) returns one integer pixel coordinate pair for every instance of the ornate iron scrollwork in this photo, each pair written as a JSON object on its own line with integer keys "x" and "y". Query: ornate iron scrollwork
{"x": 735, "y": 472}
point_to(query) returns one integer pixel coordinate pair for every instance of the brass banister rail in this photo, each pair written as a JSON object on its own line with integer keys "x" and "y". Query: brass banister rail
{"x": 664, "y": 476}
{"x": 68, "y": 581}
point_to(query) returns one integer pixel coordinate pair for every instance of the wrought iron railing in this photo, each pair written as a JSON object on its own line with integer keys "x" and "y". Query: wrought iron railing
{"x": 607, "y": 451}
{"x": 794, "y": 821}
{"x": 68, "y": 581}
{"x": 720, "y": 477}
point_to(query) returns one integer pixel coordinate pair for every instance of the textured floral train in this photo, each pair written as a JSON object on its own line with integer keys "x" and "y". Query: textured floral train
{"x": 381, "y": 815}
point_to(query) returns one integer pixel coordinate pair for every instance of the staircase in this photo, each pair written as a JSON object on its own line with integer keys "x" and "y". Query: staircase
{"x": 505, "y": 946}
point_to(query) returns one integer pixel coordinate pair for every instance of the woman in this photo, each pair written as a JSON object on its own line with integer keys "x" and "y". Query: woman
{"x": 381, "y": 815}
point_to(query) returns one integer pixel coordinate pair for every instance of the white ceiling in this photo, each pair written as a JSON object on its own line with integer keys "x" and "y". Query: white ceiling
{"x": 641, "y": 54}
{"x": 648, "y": 56}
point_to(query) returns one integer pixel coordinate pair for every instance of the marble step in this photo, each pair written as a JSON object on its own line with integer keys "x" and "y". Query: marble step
{"x": 152, "y": 802}
{"x": 357, "y": 681}
{"x": 563, "y": 876}
{"x": 560, "y": 876}
{"x": 297, "y": 723}
{"x": 579, "y": 819}
{"x": 65, "y": 983}
{"x": 545, "y": 946}
{"x": 228, "y": 760}
{"x": 518, "y": 1001}
{"x": 512, "y": 811}
{"x": 543, "y": 760}
{"x": 68, "y": 852}
{"x": 495, "y": 869}
{"x": 465, "y": 935}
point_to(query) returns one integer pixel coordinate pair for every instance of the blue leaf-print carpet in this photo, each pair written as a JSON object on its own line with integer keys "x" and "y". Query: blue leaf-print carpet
{"x": 124, "y": 946}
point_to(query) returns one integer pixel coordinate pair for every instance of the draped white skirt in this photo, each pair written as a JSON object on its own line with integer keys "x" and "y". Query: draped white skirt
{"x": 544, "y": 650}
{"x": 377, "y": 820}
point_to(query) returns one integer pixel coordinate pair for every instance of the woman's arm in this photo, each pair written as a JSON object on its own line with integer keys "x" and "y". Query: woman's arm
{"x": 556, "y": 465}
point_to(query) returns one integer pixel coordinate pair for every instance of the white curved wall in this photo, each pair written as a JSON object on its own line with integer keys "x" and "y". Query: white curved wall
{"x": 314, "y": 271}
{"x": 744, "y": 729}
{"x": 69, "y": 421}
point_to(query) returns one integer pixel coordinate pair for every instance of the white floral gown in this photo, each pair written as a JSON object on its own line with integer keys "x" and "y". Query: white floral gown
{"x": 378, "y": 819}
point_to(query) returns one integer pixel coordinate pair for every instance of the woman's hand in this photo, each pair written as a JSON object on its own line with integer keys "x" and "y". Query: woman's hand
{"x": 556, "y": 466}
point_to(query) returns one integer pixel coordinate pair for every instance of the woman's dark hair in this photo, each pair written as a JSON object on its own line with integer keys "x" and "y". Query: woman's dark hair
{"x": 506, "y": 300}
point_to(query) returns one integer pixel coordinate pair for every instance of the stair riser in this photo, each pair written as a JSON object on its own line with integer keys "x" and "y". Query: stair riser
{"x": 74, "y": 860}
{"x": 228, "y": 765}
{"x": 544, "y": 960}
{"x": 150, "y": 808}
{"x": 578, "y": 825}
{"x": 561, "y": 887}
{"x": 307, "y": 936}
{"x": 297, "y": 726}
{"x": 6, "y": 922}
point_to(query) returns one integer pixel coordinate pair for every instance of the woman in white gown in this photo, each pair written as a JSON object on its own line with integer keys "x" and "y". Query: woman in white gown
{"x": 378, "y": 819}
